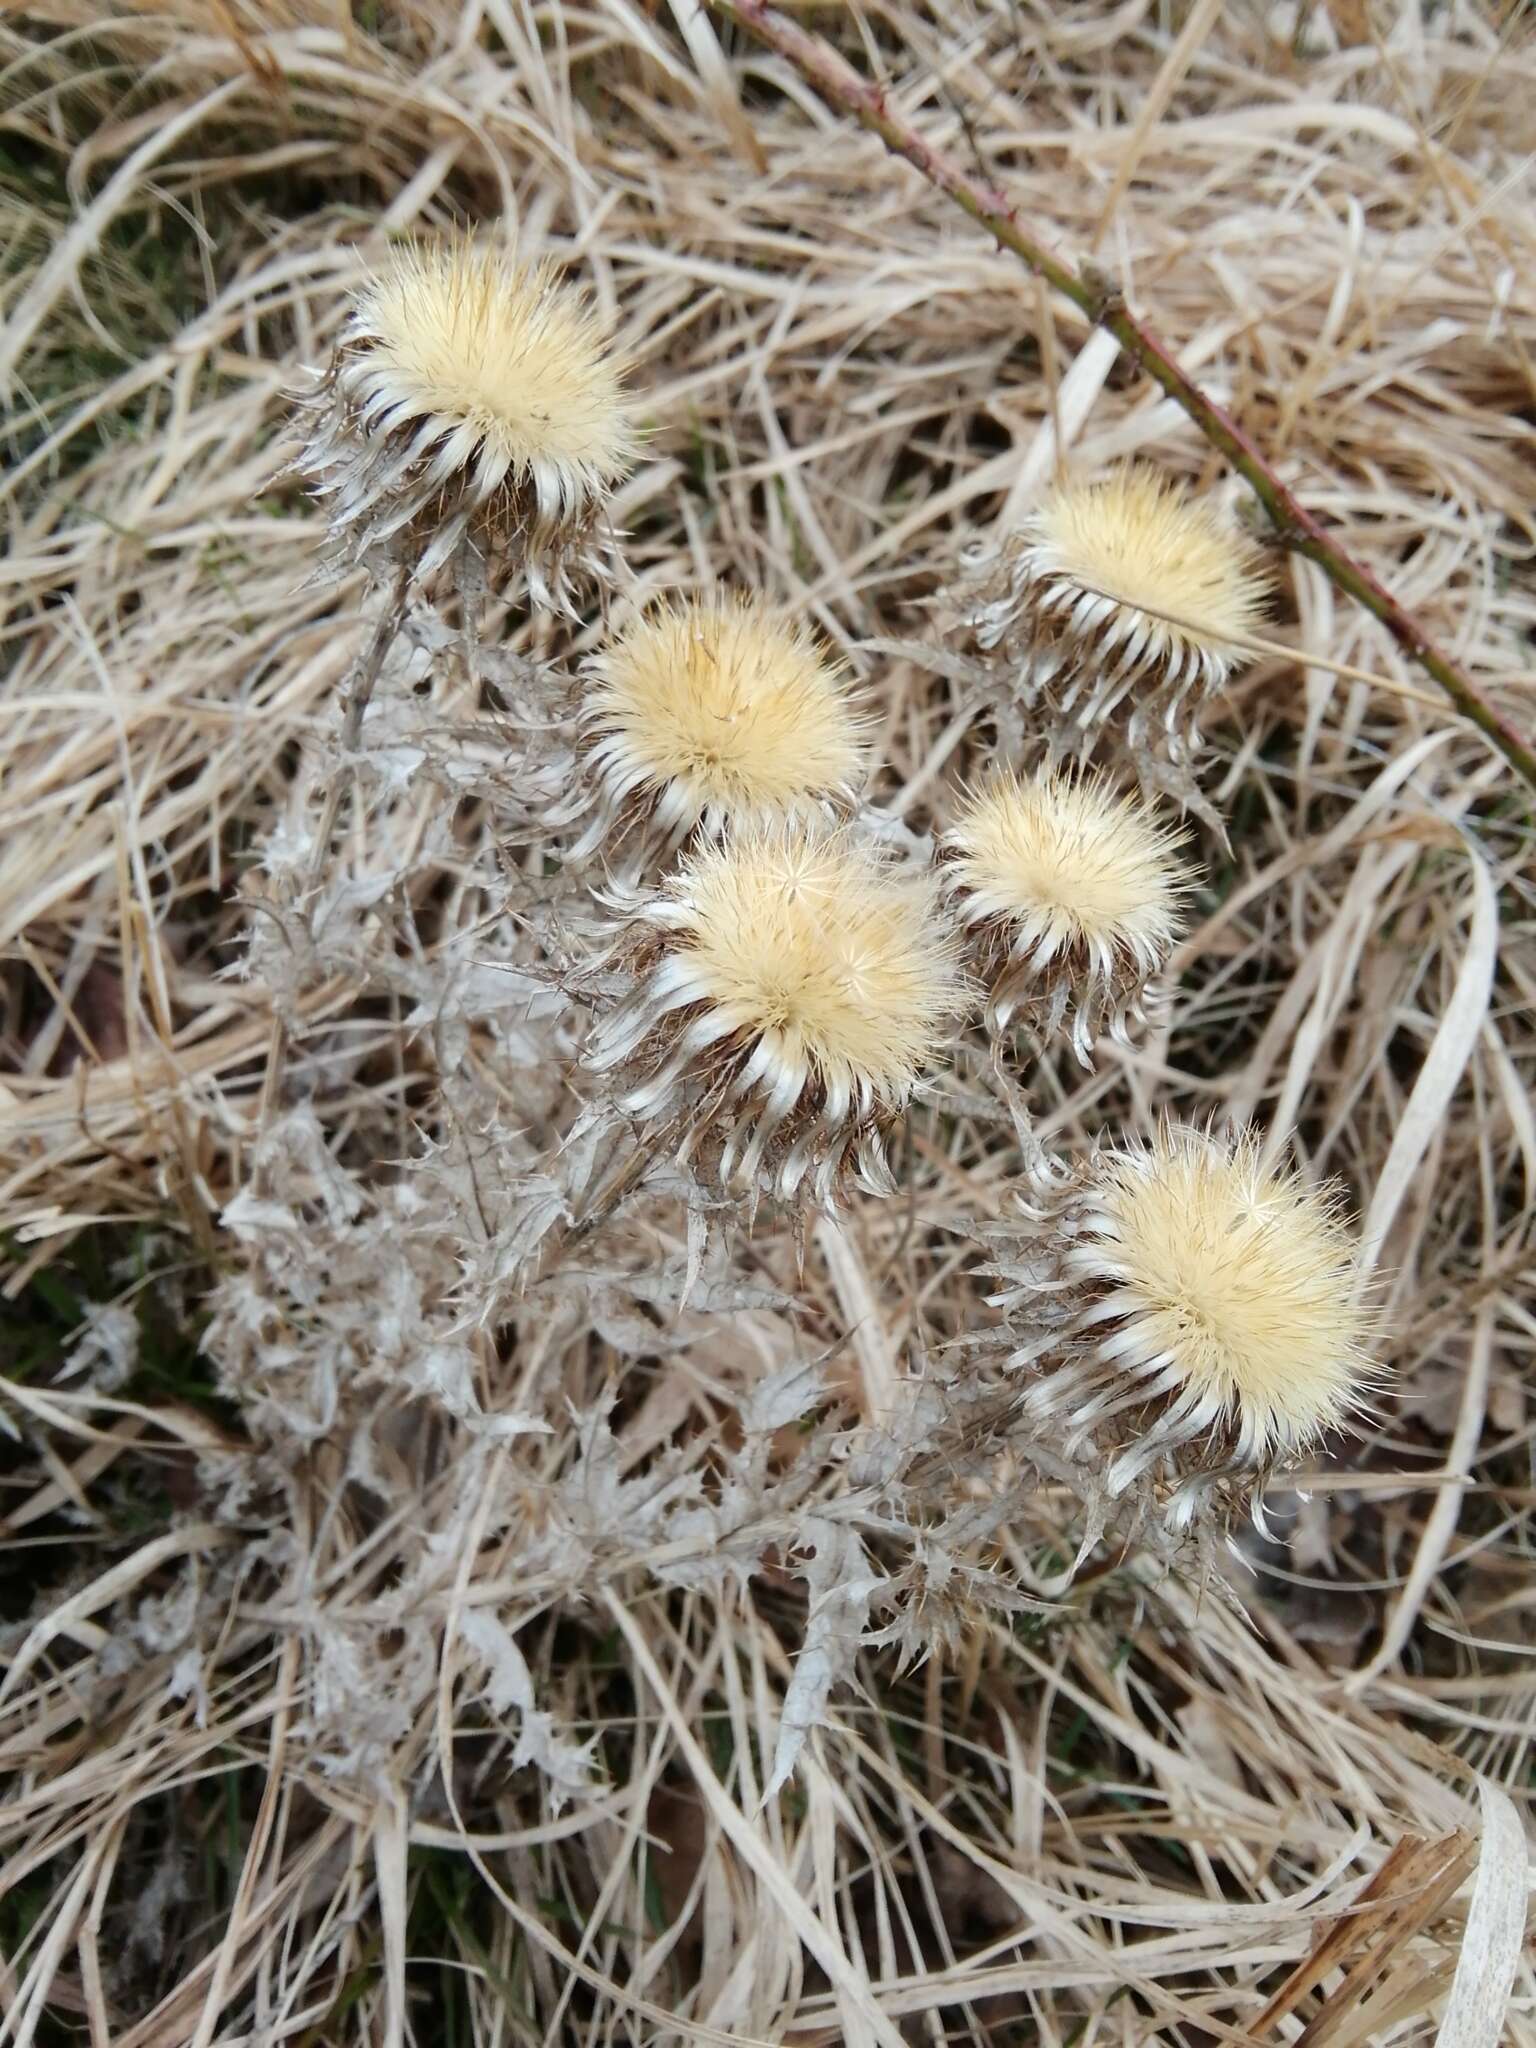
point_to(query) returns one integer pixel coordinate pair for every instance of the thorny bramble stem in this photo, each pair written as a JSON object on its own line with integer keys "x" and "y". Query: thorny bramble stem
{"x": 1101, "y": 302}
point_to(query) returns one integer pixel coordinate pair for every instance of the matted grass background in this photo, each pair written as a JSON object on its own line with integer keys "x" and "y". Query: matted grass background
{"x": 1132, "y": 1820}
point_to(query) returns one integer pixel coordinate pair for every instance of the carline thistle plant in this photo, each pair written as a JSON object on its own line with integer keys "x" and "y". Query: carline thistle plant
{"x": 473, "y": 413}
{"x": 712, "y": 713}
{"x": 1179, "y": 1315}
{"x": 792, "y": 986}
{"x": 1072, "y": 896}
{"x": 1189, "y": 1318}
{"x": 1114, "y": 613}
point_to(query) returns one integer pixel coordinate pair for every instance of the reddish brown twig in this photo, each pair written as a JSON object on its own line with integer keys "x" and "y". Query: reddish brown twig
{"x": 1098, "y": 299}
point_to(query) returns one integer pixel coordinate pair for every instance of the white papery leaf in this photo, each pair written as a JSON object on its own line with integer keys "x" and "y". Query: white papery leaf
{"x": 782, "y": 1398}
{"x": 510, "y": 1683}
{"x": 842, "y": 1584}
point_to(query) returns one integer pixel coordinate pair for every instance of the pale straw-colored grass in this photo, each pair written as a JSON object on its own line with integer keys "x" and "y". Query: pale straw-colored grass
{"x": 1129, "y": 1817}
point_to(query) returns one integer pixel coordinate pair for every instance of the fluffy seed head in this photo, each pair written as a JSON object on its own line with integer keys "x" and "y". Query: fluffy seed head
{"x": 1203, "y": 1318}
{"x": 794, "y": 988}
{"x": 721, "y": 713}
{"x": 1141, "y": 541}
{"x": 1240, "y": 1277}
{"x": 1125, "y": 594}
{"x": 471, "y": 395}
{"x": 1073, "y": 893}
{"x": 813, "y": 947}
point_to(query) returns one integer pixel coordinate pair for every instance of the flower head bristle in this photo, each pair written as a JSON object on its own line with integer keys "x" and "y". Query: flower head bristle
{"x": 793, "y": 987}
{"x": 1073, "y": 895}
{"x": 1203, "y": 1318}
{"x": 719, "y": 713}
{"x": 471, "y": 397}
{"x": 1123, "y": 593}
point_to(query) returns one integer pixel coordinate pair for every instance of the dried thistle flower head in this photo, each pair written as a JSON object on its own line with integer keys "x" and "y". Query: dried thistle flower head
{"x": 793, "y": 986}
{"x": 1123, "y": 592}
{"x": 471, "y": 398}
{"x": 718, "y": 713}
{"x": 1073, "y": 895}
{"x": 1192, "y": 1313}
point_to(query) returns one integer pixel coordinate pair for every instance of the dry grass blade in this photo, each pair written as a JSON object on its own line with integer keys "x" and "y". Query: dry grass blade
{"x": 1496, "y": 1916}
{"x": 1407, "y": 1889}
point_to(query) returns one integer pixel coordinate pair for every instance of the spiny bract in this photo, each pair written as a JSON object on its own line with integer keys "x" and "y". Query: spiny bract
{"x": 717, "y": 711}
{"x": 1073, "y": 893}
{"x": 794, "y": 985}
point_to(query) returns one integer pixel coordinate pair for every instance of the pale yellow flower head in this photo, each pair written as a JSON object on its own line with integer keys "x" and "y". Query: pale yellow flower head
{"x": 1137, "y": 546}
{"x": 1105, "y": 622}
{"x": 1074, "y": 892}
{"x": 721, "y": 712}
{"x": 800, "y": 983}
{"x": 1188, "y": 1316}
{"x": 473, "y": 396}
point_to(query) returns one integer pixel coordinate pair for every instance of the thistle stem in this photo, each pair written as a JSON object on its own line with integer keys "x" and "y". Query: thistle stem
{"x": 1101, "y": 302}
{"x": 602, "y": 1205}
{"x": 360, "y": 690}
{"x": 611, "y": 1194}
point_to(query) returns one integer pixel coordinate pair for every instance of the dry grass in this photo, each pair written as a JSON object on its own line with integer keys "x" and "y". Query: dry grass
{"x": 260, "y": 1786}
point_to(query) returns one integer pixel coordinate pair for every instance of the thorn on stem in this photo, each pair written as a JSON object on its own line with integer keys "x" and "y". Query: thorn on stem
{"x": 1105, "y": 295}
